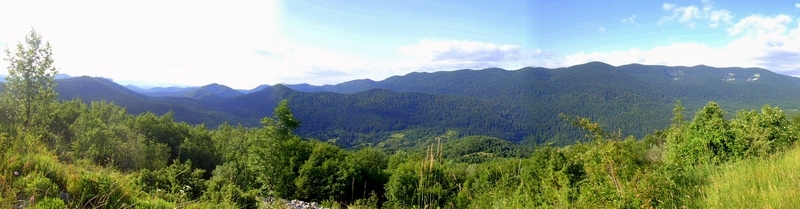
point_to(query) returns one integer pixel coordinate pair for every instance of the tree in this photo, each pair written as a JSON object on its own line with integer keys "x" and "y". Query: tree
{"x": 286, "y": 123}
{"x": 277, "y": 154}
{"x": 30, "y": 82}
{"x": 707, "y": 139}
{"x": 759, "y": 134}
{"x": 325, "y": 175}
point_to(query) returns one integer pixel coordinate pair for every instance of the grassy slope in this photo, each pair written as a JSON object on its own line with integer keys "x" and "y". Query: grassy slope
{"x": 772, "y": 182}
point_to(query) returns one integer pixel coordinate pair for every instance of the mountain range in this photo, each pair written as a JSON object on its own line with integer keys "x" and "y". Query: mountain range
{"x": 520, "y": 106}
{"x": 210, "y": 90}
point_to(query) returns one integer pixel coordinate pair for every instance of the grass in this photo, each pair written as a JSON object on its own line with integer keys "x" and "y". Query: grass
{"x": 772, "y": 182}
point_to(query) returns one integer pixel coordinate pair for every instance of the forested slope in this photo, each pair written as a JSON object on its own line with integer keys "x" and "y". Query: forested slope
{"x": 519, "y": 105}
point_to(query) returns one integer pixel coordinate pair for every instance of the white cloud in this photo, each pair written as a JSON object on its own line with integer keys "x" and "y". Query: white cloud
{"x": 718, "y": 16}
{"x": 768, "y": 42}
{"x": 759, "y": 41}
{"x": 429, "y": 55}
{"x": 601, "y": 29}
{"x": 320, "y": 66}
{"x": 455, "y": 50}
{"x": 797, "y": 5}
{"x": 629, "y": 20}
{"x": 689, "y": 14}
{"x": 676, "y": 54}
{"x": 761, "y": 25}
{"x": 667, "y": 6}
{"x": 686, "y": 14}
{"x": 291, "y": 63}
{"x": 776, "y": 38}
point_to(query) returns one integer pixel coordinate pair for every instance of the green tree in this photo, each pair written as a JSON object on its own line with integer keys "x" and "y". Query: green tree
{"x": 286, "y": 123}
{"x": 759, "y": 134}
{"x": 707, "y": 139}
{"x": 325, "y": 175}
{"x": 99, "y": 132}
{"x": 64, "y": 115}
{"x": 163, "y": 129}
{"x": 370, "y": 163}
{"x": 199, "y": 148}
{"x": 277, "y": 154}
{"x": 30, "y": 82}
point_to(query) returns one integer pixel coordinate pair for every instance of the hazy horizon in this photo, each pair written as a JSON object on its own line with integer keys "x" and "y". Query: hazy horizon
{"x": 243, "y": 44}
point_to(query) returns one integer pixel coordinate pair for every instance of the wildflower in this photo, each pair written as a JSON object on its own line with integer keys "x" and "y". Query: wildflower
{"x": 16, "y": 173}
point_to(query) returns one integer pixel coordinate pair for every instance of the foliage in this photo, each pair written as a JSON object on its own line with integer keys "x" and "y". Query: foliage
{"x": 248, "y": 164}
{"x": 99, "y": 190}
{"x": 176, "y": 182}
{"x": 761, "y": 134}
{"x": 30, "y": 81}
{"x": 324, "y": 175}
{"x": 104, "y": 136}
{"x": 277, "y": 154}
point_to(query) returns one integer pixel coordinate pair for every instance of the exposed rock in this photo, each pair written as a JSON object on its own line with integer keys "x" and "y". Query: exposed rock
{"x": 293, "y": 204}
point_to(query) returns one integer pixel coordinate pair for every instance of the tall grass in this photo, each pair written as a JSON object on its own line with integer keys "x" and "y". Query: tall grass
{"x": 772, "y": 182}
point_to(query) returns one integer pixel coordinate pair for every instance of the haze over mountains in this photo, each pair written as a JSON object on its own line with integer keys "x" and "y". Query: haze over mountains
{"x": 521, "y": 105}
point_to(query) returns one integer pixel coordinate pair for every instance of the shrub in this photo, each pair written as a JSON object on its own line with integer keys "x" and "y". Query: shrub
{"x": 98, "y": 190}
{"x": 37, "y": 185}
{"x": 50, "y": 203}
{"x": 177, "y": 182}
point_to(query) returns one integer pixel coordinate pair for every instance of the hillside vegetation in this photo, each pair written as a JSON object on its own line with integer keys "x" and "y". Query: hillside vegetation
{"x": 98, "y": 156}
{"x": 521, "y": 106}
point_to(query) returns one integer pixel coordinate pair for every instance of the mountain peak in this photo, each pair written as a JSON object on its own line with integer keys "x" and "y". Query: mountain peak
{"x": 594, "y": 64}
{"x": 214, "y": 90}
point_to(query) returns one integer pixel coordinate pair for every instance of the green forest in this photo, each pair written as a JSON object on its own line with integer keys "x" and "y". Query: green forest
{"x": 72, "y": 154}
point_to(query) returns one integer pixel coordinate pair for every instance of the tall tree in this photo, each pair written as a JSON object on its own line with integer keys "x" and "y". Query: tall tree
{"x": 278, "y": 154}
{"x": 286, "y": 122}
{"x": 30, "y": 84}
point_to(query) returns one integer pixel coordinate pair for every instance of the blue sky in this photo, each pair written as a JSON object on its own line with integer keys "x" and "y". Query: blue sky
{"x": 246, "y": 43}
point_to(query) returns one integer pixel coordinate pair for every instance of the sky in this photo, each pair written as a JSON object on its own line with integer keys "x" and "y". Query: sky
{"x": 244, "y": 43}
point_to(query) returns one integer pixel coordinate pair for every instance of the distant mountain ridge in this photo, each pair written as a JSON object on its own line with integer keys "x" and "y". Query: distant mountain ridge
{"x": 173, "y": 91}
{"x": 446, "y": 82}
{"x": 210, "y": 90}
{"x": 516, "y": 105}
{"x": 57, "y": 76}
{"x": 214, "y": 90}
{"x": 91, "y": 89}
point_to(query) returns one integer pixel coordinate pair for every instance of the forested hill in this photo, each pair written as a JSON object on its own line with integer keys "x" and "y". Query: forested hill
{"x": 91, "y": 89}
{"x": 692, "y": 82}
{"x": 517, "y": 105}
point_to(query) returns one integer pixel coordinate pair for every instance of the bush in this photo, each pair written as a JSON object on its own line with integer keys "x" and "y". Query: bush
{"x": 98, "y": 190}
{"x": 37, "y": 185}
{"x": 177, "y": 182}
{"x": 50, "y": 203}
